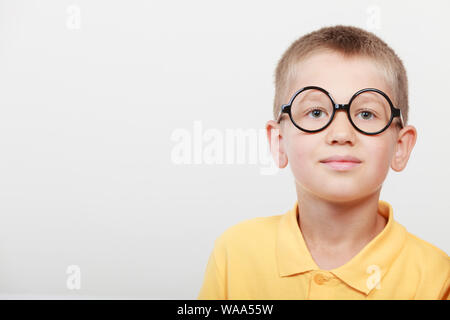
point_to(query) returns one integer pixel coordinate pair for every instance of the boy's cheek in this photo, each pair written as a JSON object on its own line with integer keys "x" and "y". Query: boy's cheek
{"x": 299, "y": 154}
{"x": 381, "y": 155}
{"x": 301, "y": 161}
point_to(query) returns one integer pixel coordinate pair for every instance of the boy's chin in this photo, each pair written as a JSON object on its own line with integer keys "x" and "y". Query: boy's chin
{"x": 339, "y": 194}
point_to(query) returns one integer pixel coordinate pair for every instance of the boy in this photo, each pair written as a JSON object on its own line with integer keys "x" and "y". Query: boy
{"x": 339, "y": 241}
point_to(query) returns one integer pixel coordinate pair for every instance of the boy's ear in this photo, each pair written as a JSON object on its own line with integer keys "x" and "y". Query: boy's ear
{"x": 276, "y": 143}
{"x": 405, "y": 142}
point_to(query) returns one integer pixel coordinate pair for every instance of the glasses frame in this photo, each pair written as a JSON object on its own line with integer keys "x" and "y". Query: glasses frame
{"x": 395, "y": 112}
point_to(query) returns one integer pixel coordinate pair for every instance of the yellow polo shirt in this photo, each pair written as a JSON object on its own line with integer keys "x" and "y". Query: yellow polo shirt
{"x": 267, "y": 258}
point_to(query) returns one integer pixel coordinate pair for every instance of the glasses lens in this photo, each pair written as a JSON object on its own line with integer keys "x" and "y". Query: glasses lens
{"x": 311, "y": 109}
{"x": 370, "y": 111}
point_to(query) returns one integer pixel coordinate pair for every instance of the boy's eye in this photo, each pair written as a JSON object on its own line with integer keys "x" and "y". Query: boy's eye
{"x": 315, "y": 112}
{"x": 366, "y": 115}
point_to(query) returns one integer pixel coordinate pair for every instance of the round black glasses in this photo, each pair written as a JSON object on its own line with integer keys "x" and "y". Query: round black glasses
{"x": 312, "y": 109}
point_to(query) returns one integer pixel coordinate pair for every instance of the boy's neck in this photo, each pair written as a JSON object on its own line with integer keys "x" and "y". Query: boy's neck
{"x": 334, "y": 232}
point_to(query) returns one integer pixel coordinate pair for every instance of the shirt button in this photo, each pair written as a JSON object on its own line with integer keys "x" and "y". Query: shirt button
{"x": 320, "y": 279}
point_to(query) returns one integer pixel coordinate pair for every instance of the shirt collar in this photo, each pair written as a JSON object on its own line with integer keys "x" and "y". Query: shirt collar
{"x": 293, "y": 256}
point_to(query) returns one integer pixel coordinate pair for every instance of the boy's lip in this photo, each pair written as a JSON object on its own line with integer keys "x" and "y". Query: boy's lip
{"x": 338, "y": 158}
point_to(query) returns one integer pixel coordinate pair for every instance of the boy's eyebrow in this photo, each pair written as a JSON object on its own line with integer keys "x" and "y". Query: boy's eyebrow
{"x": 313, "y": 92}
{"x": 309, "y": 94}
{"x": 372, "y": 99}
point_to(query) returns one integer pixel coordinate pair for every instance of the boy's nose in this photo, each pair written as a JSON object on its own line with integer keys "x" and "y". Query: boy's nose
{"x": 341, "y": 130}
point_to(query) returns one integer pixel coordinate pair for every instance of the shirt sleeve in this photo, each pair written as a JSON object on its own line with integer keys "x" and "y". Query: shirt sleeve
{"x": 445, "y": 292}
{"x": 213, "y": 287}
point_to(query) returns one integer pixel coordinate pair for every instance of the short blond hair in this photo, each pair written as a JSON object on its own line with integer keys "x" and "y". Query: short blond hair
{"x": 349, "y": 41}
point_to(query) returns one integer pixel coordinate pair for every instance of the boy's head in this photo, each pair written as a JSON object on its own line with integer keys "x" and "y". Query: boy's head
{"x": 341, "y": 60}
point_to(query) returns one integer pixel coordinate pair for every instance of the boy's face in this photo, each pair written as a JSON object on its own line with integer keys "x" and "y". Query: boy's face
{"x": 342, "y": 77}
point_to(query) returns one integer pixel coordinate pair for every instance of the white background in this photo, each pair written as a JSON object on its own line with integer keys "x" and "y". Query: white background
{"x": 92, "y": 91}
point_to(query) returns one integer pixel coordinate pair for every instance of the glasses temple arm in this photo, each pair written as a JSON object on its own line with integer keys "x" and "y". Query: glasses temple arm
{"x": 282, "y": 110}
{"x": 402, "y": 122}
